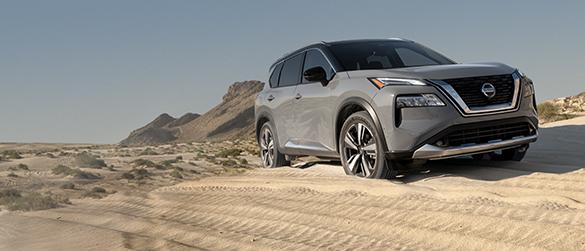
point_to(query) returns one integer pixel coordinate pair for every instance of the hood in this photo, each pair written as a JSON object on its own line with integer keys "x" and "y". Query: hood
{"x": 438, "y": 71}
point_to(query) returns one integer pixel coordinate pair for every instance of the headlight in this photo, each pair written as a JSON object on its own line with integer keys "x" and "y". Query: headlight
{"x": 381, "y": 82}
{"x": 419, "y": 100}
{"x": 527, "y": 85}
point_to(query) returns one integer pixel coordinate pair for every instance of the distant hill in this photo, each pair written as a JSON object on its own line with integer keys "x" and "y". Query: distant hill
{"x": 232, "y": 118}
{"x": 571, "y": 104}
{"x": 162, "y": 129}
{"x": 562, "y": 108}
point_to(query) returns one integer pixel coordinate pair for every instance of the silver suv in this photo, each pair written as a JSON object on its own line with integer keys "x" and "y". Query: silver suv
{"x": 381, "y": 105}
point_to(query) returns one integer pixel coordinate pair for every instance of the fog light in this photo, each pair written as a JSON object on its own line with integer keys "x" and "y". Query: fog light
{"x": 440, "y": 143}
{"x": 420, "y": 100}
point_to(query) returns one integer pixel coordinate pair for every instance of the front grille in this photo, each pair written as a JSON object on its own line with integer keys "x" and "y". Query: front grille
{"x": 469, "y": 89}
{"x": 485, "y": 134}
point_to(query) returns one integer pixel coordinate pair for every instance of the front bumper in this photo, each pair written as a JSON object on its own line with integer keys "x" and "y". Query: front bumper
{"x": 432, "y": 152}
{"x": 411, "y": 130}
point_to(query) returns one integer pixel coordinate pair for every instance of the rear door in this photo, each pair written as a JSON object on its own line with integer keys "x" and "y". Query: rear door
{"x": 314, "y": 108}
{"x": 280, "y": 99}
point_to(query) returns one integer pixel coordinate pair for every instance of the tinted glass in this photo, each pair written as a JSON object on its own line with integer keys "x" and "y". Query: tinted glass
{"x": 315, "y": 58}
{"x": 275, "y": 74}
{"x": 291, "y": 71}
{"x": 413, "y": 58}
{"x": 385, "y": 55}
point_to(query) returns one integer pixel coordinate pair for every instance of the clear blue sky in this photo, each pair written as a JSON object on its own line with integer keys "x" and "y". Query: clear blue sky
{"x": 91, "y": 71}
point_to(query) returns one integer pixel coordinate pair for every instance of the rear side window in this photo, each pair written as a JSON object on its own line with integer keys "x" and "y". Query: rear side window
{"x": 315, "y": 58}
{"x": 275, "y": 75}
{"x": 291, "y": 71}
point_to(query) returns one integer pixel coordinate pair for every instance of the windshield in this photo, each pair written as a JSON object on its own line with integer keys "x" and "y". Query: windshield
{"x": 385, "y": 55}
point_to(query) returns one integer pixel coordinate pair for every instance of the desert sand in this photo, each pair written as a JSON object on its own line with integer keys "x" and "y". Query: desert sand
{"x": 459, "y": 204}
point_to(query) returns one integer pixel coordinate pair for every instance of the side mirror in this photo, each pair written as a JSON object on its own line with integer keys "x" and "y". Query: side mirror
{"x": 316, "y": 74}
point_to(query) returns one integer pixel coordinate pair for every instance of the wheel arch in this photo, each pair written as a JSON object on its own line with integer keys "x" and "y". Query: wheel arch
{"x": 350, "y": 106}
{"x": 261, "y": 119}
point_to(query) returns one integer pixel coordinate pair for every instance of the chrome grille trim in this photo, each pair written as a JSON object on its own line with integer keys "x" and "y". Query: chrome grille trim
{"x": 465, "y": 110}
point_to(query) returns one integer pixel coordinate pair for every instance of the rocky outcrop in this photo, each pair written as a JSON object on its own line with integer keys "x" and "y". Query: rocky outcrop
{"x": 232, "y": 118}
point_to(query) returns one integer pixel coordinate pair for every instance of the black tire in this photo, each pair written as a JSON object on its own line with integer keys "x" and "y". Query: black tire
{"x": 268, "y": 143}
{"x": 361, "y": 152}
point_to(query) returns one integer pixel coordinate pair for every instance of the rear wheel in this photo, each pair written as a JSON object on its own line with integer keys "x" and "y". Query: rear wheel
{"x": 269, "y": 153}
{"x": 361, "y": 150}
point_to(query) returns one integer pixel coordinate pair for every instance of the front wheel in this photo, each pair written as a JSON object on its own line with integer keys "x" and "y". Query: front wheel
{"x": 361, "y": 149}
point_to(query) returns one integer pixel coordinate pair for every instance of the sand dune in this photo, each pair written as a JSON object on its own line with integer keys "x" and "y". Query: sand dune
{"x": 457, "y": 205}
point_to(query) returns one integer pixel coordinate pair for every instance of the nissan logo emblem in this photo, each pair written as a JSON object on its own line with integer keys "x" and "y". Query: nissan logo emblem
{"x": 488, "y": 90}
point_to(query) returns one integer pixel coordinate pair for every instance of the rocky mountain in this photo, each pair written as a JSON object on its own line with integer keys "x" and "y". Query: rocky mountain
{"x": 162, "y": 129}
{"x": 232, "y": 118}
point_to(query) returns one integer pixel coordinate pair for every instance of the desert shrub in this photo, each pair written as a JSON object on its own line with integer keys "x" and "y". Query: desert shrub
{"x": 228, "y": 162}
{"x": 22, "y": 167}
{"x": 176, "y": 174}
{"x": 15, "y": 200}
{"x": 144, "y": 163}
{"x": 85, "y": 175}
{"x": 98, "y": 190}
{"x": 168, "y": 163}
{"x": 128, "y": 176}
{"x": 68, "y": 185}
{"x": 148, "y": 151}
{"x": 9, "y": 193}
{"x": 76, "y": 173}
{"x": 88, "y": 160}
{"x": 61, "y": 169}
{"x": 243, "y": 161}
{"x": 135, "y": 174}
{"x": 229, "y": 152}
{"x": 96, "y": 193}
{"x": 11, "y": 154}
{"x": 179, "y": 158}
{"x": 550, "y": 112}
{"x": 12, "y": 175}
{"x": 193, "y": 163}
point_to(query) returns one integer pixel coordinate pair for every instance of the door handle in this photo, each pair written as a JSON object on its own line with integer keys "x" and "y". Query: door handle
{"x": 298, "y": 96}
{"x": 270, "y": 98}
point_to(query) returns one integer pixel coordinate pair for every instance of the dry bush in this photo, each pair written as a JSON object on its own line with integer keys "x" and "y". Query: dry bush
{"x": 176, "y": 174}
{"x": 68, "y": 185}
{"x": 550, "y": 112}
{"x": 148, "y": 151}
{"x": 88, "y": 160}
{"x": 11, "y": 154}
{"x": 15, "y": 200}
{"x": 232, "y": 152}
{"x": 229, "y": 163}
{"x": 76, "y": 173}
{"x": 96, "y": 193}
{"x": 135, "y": 174}
{"x": 145, "y": 163}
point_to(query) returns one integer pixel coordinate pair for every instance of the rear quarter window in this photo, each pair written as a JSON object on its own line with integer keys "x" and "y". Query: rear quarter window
{"x": 275, "y": 76}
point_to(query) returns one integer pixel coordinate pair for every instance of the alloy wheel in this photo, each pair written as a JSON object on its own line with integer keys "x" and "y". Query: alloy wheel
{"x": 360, "y": 150}
{"x": 267, "y": 148}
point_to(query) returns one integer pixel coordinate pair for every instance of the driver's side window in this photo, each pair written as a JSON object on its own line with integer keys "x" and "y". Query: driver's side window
{"x": 315, "y": 58}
